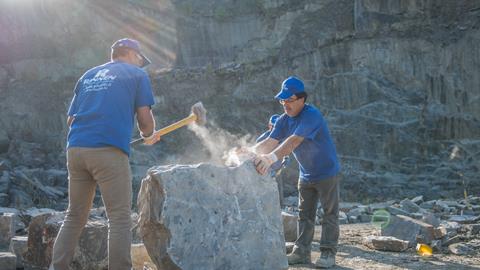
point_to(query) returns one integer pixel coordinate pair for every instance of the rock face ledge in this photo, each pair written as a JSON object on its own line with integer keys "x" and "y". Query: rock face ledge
{"x": 210, "y": 217}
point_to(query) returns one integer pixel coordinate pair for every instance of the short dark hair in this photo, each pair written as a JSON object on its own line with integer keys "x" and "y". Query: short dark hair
{"x": 119, "y": 51}
{"x": 302, "y": 95}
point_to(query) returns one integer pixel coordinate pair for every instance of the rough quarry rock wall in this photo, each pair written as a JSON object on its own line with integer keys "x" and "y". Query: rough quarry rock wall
{"x": 210, "y": 217}
{"x": 397, "y": 81}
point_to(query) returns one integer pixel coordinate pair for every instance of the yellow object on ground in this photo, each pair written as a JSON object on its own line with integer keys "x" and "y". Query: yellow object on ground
{"x": 424, "y": 250}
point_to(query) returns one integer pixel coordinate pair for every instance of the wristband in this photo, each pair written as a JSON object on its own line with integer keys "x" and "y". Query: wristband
{"x": 147, "y": 137}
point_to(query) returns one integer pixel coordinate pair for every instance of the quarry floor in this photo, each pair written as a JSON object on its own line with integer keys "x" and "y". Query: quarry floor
{"x": 352, "y": 254}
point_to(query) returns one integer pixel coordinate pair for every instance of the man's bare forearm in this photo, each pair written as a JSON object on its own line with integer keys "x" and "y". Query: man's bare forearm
{"x": 288, "y": 146}
{"x": 145, "y": 120}
{"x": 265, "y": 146}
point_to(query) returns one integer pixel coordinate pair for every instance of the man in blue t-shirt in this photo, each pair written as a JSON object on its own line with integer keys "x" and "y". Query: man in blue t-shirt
{"x": 101, "y": 119}
{"x": 303, "y": 131}
{"x": 276, "y": 167}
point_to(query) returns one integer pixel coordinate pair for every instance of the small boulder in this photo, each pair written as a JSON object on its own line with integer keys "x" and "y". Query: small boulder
{"x": 431, "y": 219}
{"x": 440, "y": 232}
{"x": 385, "y": 243}
{"x": 397, "y": 211}
{"x": 418, "y": 200}
{"x": 18, "y": 246}
{"x": 461, "y": 249}
{"x": 409, "y": 206}
{"x": 7, "y": 229}
{"x": 464, "y": 219}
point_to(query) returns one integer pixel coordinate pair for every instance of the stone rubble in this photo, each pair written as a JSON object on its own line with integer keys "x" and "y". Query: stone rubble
{"x": 448, "y": 226}
{"x": 28, "y": 234}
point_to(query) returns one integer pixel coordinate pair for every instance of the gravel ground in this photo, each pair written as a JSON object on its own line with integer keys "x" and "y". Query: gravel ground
{"x": 352, "y": 254}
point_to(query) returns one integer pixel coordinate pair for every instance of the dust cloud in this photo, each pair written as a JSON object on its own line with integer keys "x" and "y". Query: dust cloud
{"x": 224, "y": 147}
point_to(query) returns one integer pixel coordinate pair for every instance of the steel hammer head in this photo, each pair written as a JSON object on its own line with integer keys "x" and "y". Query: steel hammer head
{"x": 199, "y": 111}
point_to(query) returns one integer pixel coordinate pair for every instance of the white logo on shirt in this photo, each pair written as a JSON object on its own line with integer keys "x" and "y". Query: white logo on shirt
{"x": 102, "y": 73}
{"x": 101, "y": 81}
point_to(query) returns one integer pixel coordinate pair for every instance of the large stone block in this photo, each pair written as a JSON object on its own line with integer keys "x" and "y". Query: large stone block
{"x": 41, "y": 237}
{"x": 408, "y": 229}
{"x": 210, "y": 217}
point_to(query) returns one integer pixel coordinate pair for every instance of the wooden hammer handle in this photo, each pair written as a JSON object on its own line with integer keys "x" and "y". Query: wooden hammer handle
{"x": 185, "y": 121}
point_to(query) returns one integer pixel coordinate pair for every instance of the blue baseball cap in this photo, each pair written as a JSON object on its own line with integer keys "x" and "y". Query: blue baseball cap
{"x": 290, "y": 86}
{"x": 273, "y": 119}
{"x": 134, "y": 45}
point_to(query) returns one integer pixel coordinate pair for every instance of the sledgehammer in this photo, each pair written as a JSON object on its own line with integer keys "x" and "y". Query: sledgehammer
{"x": 198, "y": 115}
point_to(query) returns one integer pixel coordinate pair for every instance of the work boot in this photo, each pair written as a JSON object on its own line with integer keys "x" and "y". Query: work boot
{"x": 326, "y": 260}
{"x": 298, "y": 256}
{"x": 294, "y": 258}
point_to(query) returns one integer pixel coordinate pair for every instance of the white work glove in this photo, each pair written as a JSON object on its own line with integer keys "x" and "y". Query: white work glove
{"x": 263, "y": 162}
{"x": 152, "y": 139}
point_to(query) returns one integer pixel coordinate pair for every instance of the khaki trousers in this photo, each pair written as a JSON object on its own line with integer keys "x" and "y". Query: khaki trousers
{"x": 107, "y": 167}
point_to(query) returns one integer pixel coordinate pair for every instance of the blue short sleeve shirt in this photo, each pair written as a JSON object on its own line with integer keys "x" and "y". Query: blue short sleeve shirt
{"x": 104, "y": 105}
{"x": 316, "y": 155}
{"x": 262, "y": 137}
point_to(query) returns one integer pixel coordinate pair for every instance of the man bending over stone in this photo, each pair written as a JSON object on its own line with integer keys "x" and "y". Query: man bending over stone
{"x": 303, "y": 131}
{"x": 276, "y": 167}
{"x": 101, "y": 119}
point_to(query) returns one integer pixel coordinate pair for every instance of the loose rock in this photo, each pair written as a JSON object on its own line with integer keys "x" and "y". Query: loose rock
{"x": 385, "y": 243}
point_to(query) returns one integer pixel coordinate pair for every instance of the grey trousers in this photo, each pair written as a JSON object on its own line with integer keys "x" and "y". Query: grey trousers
{"x": 280, "y": 189}
{"x": 327, "y": 191}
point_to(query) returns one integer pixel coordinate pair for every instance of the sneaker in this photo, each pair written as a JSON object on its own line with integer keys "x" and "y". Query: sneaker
{"x": 326, "y": 260}
{"x": 294, "y": 258}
